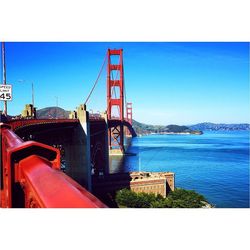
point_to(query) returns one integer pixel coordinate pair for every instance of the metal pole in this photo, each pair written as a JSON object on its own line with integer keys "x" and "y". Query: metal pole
{"x": 4, "y": 76}
{"x": 56, "y": 105}
{"x": 33, "y": 102}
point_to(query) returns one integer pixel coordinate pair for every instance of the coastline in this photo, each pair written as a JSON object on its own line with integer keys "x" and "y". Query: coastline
{"x": 173, "y": 133}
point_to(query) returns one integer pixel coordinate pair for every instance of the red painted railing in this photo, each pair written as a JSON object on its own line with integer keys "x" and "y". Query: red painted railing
{"x": 15, "y": 124}
{"x": 36, "y": 168}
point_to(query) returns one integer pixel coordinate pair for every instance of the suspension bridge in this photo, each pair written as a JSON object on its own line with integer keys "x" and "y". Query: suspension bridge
{"x": 31, "y": 148}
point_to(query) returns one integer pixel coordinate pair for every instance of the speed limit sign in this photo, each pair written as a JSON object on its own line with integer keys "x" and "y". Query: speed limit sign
{"x": 5, "y": 92}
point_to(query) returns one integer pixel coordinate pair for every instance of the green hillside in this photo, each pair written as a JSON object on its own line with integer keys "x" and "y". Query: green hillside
{"x": 142, "y": 128}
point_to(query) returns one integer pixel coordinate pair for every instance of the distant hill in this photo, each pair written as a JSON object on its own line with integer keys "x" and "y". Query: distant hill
{"x": 219, "y": 126}
{"x": 52, "y": 112}
{"x": 142, "y": 128}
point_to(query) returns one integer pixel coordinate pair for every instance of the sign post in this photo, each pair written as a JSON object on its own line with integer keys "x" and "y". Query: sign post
{"x": 5, "y": 92}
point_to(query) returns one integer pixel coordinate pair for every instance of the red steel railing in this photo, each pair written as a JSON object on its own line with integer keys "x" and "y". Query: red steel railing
{"x": 36, "y": 168}
{"x": 28, "y": 122}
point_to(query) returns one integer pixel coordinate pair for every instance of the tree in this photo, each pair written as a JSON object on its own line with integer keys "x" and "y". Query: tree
{"x": 186, "y": 198}
{"x": 180, "y": 198}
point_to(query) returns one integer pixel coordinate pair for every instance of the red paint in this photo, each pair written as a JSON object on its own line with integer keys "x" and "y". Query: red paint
{"x": 49, "y": 188}
{"x": 15, "y": 124}
{"x": 129, "y": 113}
{"x": 36, "y": 167}
{"x": 116, "y": 134}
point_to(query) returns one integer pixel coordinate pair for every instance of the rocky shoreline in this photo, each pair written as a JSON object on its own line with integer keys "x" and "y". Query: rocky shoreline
{"x": 207, "y": 205}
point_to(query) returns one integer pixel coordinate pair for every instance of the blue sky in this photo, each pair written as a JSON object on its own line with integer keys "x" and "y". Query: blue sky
{"x": 168, "y": 83}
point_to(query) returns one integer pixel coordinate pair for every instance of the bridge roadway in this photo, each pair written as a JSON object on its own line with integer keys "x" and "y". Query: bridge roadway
{"x": 45, "y": 124}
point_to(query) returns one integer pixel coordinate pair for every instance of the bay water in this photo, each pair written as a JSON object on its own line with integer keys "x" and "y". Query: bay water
{"x": 215, "y": 164}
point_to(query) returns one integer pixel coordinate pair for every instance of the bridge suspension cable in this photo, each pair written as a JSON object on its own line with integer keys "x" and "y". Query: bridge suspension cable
{"x": 100, "y": 72}
{"x": 113, "y": 86}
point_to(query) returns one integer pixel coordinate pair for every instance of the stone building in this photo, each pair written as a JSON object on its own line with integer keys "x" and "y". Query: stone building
{"x": 147, "y": 182}
{"x": 152, "y": 182}
{"x": 29, "y": 111}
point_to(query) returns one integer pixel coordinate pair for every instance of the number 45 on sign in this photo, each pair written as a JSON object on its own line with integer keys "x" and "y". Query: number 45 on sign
{"x": 5, "y": 92}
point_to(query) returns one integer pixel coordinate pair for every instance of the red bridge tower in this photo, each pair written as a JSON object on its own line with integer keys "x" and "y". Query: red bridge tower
{"x": 115, "y": 99}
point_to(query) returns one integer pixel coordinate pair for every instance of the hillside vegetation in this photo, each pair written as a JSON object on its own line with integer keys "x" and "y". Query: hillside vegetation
{"x": 180, "y": 198}
{"x": 141, "y": 128}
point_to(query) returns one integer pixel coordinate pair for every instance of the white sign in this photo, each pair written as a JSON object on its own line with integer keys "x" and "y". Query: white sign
{"x": 5, "y": 92}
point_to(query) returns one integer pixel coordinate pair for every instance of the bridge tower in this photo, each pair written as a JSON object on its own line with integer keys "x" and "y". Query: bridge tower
{"x": 115, "y": 99}
{"x": 128, "y": 117}
{"x": 129, "y": 112}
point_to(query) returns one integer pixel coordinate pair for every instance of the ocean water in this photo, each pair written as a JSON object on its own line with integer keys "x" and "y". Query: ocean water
{"x": 215, "y": 164}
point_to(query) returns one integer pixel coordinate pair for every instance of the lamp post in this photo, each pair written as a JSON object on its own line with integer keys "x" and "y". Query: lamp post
{"x": 32, "y": 90}
{"x": 56, "y": 105}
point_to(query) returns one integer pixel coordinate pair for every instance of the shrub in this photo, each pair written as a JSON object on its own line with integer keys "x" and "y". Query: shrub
{"x": 185, "y": 198}
{"x": 128, "y": 198}
{"x": 180, "y": 198}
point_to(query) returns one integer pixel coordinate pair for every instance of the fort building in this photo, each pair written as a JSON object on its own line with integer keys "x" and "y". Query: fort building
{"x": 152, "y": 182}
{"x": 148, "y": 182}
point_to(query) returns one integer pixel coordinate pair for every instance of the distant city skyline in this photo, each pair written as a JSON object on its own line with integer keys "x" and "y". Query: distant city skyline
{"x": 168, "y": 83}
